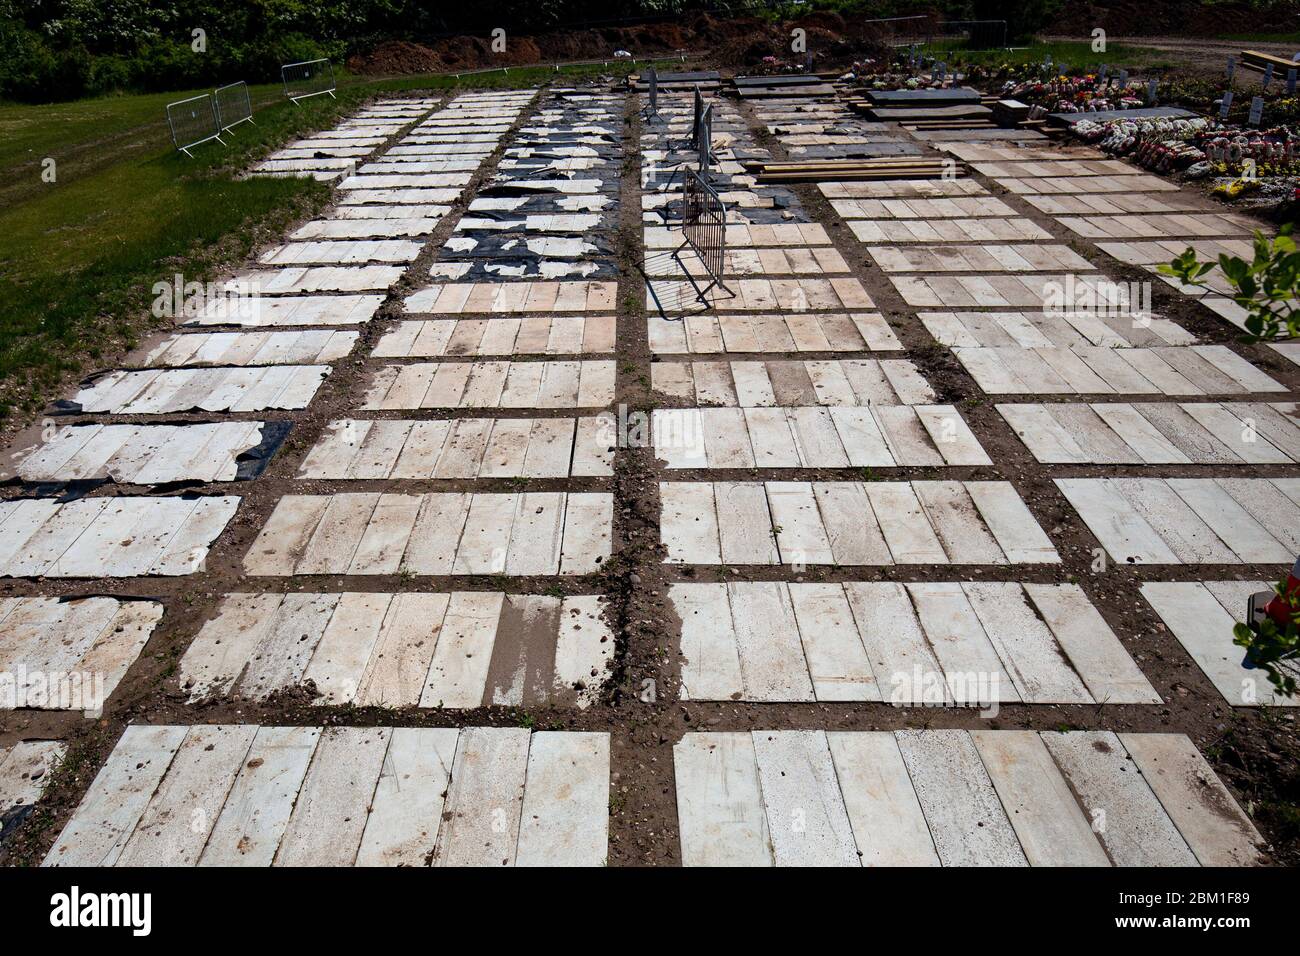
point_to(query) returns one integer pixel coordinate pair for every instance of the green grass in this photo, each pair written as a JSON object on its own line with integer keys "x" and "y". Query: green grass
{"x": 1264, "y": 38}
{"x": 79, "y": 257}
{"x": 1073, "y": 52}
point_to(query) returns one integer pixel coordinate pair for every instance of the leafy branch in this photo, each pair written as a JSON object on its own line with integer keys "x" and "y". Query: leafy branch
{"x": 1272, "y": 648}
{"x": 1267, "y": 287}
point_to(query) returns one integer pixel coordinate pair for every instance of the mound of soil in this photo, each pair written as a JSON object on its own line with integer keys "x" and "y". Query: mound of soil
{"x": 738, "y": 43}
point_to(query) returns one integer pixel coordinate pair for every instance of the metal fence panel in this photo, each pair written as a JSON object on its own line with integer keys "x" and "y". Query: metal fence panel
{"x": 308, "y": 78}
{"x": 704, "y": 226}
{"x": 232, "y": 105}
{"x": 704, "y": 138}
{"x": 193, "y": 121}
{"x": 902, "y": 31}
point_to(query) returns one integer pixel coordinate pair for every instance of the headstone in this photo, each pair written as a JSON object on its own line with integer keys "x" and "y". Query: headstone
{"x": 1256, "y": 110}
{"x": 1123, "y": 79}
{"x": 1105, "y": 72}
{"x": 1290, "y": 81}
{"x": 1268, "y": 75}
{"x": 1232, "y": 67}
{"x": 1151, "y": 92}
{"x": 1224, "y": 104}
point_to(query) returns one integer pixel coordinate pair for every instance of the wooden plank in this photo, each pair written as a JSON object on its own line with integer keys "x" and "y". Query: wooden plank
{"x": 394, "y": 676}
{"x": 1116, "y": 524}
{"x": 405, "y": 814}
{"x": 175, "y": 826}
{"x": 104, "y": 821}
{"x": 689, "y": 523}
{"x": 437, "y": 533}
{"x": 806, "y": 817}
{"x": 329, "y": 815}
{"x": 800, "y": 535}
{"x": 481, "y": 816}
{"x": 339, "y": 660}
{"x": 281, "y": 659}
{"x": 837, "y": 660}
{"x": 588, "y": 526}
{"x": 458, "y": 671}
{"x": 248, "y": 831}
{"x": 285, "y": 534}
{"x": 384, "y": 540}
{"x": 1202, "y": 808}
{"x": 889, "y": 827}
{"x": 565, "y": 815}
{"x": 1126, "y": 815}
{"x": 973, "y": 671}
{"x": 1097, "y": 655}
{"x": 1051, "y": 827}
{"x": 966, "y": 818}
{"x": 957, "y": 525}
{"x": 908, "y": 533}
{"x": 901, "y": 657}
{"x": 1204, "y": 628}
{"x": 1012, "y": 523}
{"x": 772, "y": 659}
{"x": 1025, "y": 644}
{"x": 720, "y": 812}
{"x": 536, "y": 534}
{"x": 744, "y": 524}
{"x": 711, "y": 657}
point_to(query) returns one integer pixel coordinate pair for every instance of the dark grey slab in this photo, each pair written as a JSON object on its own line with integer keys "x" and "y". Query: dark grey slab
{"x": 957, "y": 94}
{"x": 794, "y": 79}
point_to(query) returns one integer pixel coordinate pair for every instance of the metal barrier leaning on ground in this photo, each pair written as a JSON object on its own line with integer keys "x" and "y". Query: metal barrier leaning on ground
{"x": 232, "y": 105}
{"x": 193, "y": 121}
{"x": 704, "y": 227}
{"x": 307, "y": 78}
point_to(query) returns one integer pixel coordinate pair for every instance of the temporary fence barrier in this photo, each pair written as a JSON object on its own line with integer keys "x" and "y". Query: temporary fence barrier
{"x": 704, "y": 227}
{"x": 308, "y": 78}
{"x": 232, "y": 105}
{"x": 193, "y": 121}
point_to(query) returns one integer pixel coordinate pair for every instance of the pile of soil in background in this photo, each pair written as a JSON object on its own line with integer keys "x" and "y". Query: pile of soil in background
{"x": 737, "y": 43}
{"x": 1174, "y": 17}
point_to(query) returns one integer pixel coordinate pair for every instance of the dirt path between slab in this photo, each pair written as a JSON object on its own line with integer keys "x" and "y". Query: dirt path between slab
{"x": 1257, "y": 753}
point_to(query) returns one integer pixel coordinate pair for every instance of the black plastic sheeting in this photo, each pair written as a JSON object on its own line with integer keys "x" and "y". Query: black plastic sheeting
{"x": 253, "y": 461}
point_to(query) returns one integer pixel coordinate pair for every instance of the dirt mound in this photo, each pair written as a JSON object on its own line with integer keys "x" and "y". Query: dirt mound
{"x": 738, "y": 43}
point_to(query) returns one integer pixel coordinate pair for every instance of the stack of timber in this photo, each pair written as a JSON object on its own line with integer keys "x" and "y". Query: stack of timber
{"x": 841, "y": 170}
{"x": 1259, "y": 62}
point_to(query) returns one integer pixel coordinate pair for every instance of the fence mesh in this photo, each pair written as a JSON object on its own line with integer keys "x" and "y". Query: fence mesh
{"x": 704, "y": 225}
{"x": 308, "y": 78}
{"x": 704, "y": 138}
{"x": 232, "y": 104}
{"x": 902, "y": 31}
{"x": 192, "y": 121}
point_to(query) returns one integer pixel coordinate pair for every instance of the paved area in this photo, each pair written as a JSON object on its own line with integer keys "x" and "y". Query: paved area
{"x": 473, "y": 536}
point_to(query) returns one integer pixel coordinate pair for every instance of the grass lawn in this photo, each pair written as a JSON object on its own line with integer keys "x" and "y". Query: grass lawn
{"x": 1074, "y": 52}
{"x": 79, "y": 257}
